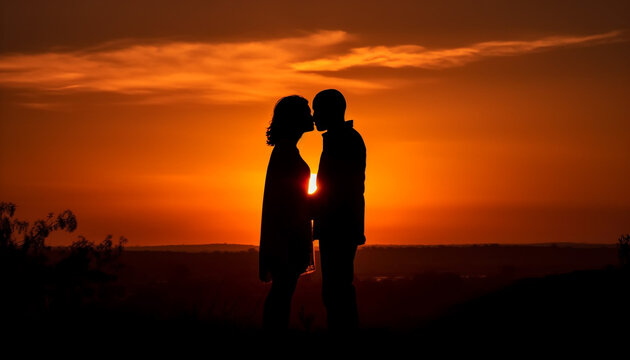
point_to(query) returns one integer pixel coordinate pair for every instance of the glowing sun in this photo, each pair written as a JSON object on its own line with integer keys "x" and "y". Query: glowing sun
{"x": 312, "y": 184}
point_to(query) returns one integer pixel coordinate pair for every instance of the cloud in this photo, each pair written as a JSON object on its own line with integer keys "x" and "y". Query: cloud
{"x": 215, "y": 72}
{"x": 240, "y": 71}
{"x": 418, "y": 56}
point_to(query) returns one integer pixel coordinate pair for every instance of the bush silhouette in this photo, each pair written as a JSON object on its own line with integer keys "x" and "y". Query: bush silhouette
{"x": 623, "y": 250}
{"x": 41, "y": 282}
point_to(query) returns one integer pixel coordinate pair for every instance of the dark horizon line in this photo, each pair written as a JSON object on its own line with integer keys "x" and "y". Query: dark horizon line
{"x": 542, "y": 244}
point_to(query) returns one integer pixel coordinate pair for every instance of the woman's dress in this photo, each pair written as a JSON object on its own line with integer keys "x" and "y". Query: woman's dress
{"x": 286, "y": 244}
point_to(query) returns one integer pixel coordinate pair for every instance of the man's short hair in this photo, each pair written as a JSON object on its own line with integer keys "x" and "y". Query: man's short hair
{"x": 332, "y": 100}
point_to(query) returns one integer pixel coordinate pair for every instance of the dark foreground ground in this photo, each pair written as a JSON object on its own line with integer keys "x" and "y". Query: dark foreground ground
{"x": 414, "y": 296}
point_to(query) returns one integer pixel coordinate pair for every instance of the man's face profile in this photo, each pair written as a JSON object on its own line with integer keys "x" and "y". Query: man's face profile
{"x": 319, "y": 117}
{"x": 328, "y": 109}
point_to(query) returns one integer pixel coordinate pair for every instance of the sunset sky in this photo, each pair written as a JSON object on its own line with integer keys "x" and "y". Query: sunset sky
{"x": 484, "y": 121}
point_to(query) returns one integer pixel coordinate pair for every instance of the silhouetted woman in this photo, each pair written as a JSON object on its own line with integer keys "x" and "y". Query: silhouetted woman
{"x": 286, "y": 248}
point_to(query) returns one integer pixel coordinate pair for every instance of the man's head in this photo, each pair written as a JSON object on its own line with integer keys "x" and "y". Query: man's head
{"x": 329, "y": 108}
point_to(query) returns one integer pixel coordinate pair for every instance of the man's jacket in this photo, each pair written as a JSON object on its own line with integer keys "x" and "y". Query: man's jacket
{"x": 339, "y": 205}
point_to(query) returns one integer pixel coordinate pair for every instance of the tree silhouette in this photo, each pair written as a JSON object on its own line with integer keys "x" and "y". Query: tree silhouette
{"x": 39, "y": 281}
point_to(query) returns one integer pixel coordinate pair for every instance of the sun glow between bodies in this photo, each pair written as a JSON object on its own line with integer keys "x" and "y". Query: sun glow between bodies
{"x": 312, "y": 184}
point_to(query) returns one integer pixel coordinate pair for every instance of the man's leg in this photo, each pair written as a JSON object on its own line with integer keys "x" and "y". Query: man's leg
{"x": 338, "y": 292}
{"x": 350, "y": 312}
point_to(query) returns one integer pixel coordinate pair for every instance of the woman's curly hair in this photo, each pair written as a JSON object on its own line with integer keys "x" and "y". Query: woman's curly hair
{"x": 283, "y": 123}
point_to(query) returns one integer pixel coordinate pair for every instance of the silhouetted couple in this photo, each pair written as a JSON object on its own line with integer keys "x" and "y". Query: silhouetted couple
{"x": 337, "y": 209}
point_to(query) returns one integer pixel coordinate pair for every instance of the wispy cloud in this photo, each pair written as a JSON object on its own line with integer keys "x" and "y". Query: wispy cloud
{"x": 243, "y": 71}
{"x": 418, "y": 56}
{"x": 219, "y": 72}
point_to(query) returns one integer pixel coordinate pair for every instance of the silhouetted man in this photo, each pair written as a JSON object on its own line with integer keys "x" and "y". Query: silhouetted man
{"x": 339, "y": 207}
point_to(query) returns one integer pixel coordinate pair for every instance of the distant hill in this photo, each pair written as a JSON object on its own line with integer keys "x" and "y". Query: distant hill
{"x": 507, "y": 262}
{"x": 194, "y": 248}
{"x": 546, "y": 244}
{"x": 241, "y": 247}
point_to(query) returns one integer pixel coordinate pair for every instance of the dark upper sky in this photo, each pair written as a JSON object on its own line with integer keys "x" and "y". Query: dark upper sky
{"x": 29, "y": 25}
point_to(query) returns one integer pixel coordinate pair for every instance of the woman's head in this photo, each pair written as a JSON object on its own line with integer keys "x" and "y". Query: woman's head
{"x": 291, "y": 118}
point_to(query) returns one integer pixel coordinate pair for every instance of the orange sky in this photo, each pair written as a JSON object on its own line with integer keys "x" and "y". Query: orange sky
{"x": 488, "y": 121}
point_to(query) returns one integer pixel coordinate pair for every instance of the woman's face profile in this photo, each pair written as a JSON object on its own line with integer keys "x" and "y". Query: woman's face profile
{"x": 307, "y": 120}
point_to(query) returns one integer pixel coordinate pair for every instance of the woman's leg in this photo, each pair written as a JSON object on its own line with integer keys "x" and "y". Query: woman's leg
{"x": 277, "y": 307}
